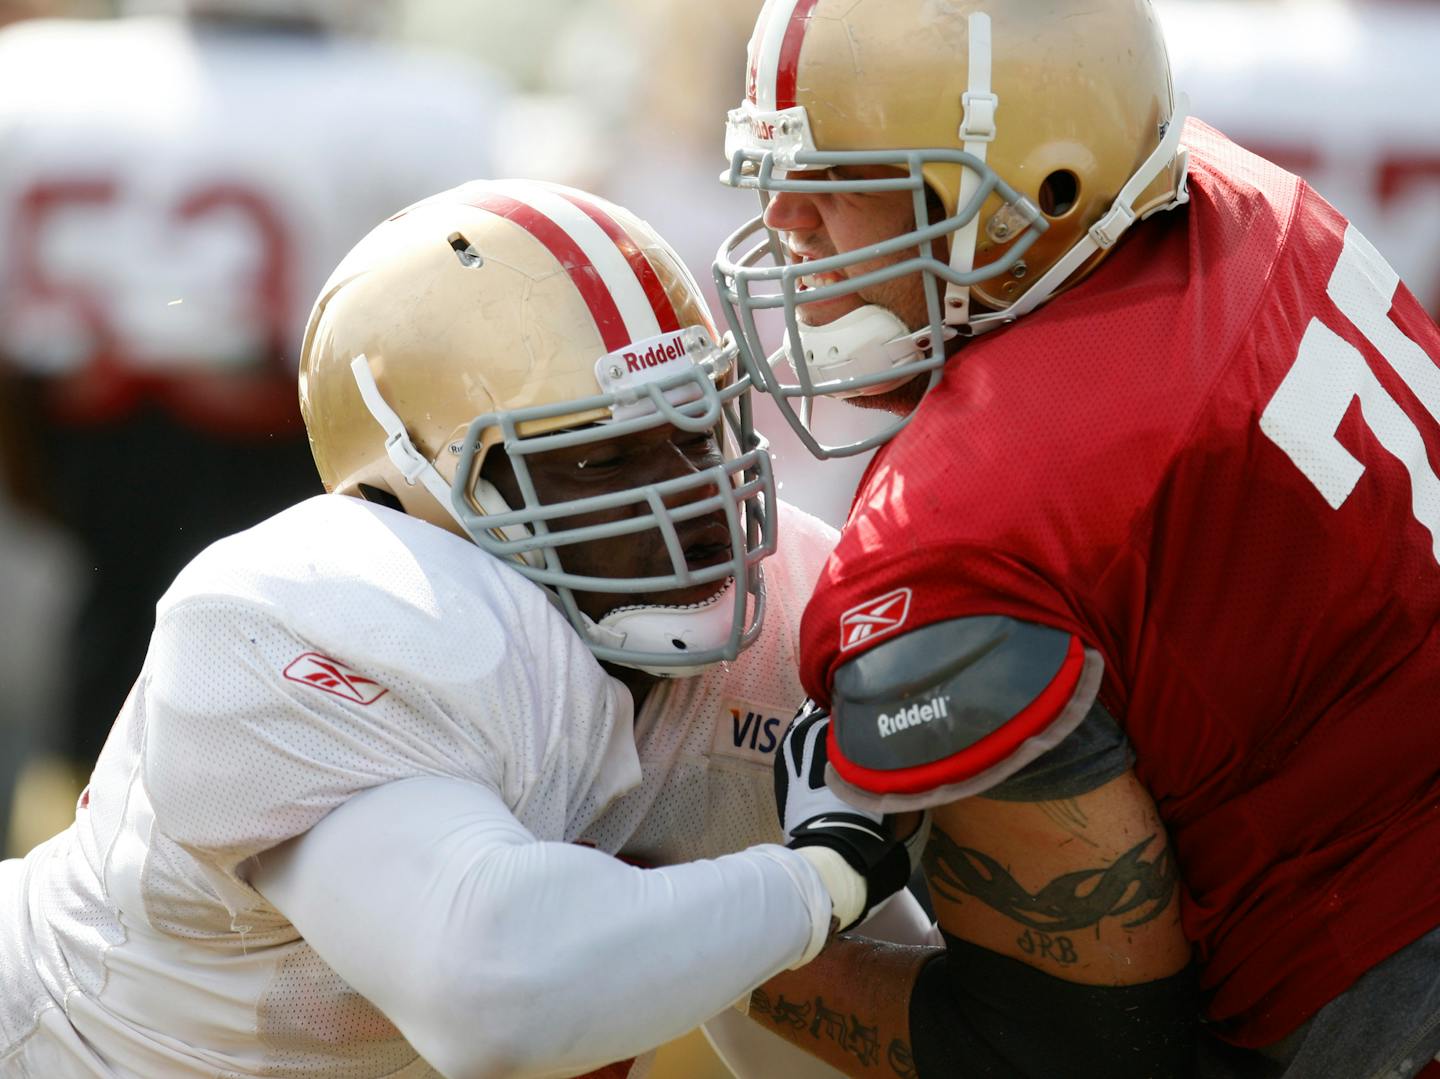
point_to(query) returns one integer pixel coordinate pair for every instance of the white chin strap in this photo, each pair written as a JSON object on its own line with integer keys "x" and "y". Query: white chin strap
{"x": 416, "y": 467}
{"x": 870, "y": 340}
{"x": 1106, "y": 232}
{"x": 662, "y": 629}
{"x": 977, "y": 131}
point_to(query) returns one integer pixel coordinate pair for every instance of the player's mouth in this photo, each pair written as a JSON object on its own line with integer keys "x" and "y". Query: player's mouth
{"x": 707, "y": 545}
{"x": 818, "y": 280}
{"x": 813, "y": 312}
{"x": 705, "y": 542}
{"x": 809, "y": 282}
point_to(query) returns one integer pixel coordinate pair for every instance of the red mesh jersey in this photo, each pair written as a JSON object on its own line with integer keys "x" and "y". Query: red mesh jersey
{"x": 1215, "y": 462}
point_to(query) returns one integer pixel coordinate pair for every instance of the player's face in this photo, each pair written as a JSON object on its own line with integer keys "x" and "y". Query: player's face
{"x": 632, "y": 461}
{"x": 816, "y": 225}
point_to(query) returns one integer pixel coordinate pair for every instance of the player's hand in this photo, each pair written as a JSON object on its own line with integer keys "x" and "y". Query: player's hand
{"x": 872, "y": 864}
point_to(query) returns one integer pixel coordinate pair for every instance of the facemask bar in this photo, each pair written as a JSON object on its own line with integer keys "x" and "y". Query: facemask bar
{"x": 743, "y": 487}
{"x": 740, "y": 270}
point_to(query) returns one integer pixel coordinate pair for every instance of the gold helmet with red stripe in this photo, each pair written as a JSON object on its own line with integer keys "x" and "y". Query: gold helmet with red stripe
{"x": 1030, "y": 134}
{"x": 523, "y": 317}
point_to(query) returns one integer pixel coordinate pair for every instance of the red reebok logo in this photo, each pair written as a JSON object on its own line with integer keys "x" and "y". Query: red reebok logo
{"x": 874, "y": 618}
{"x": 332, "y": 676}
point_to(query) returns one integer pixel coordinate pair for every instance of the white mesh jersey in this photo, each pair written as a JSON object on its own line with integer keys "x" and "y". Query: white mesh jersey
{"x": 173, "y": 196}
{"x": 706, "y": 743}
{"x": 336, "y": 647}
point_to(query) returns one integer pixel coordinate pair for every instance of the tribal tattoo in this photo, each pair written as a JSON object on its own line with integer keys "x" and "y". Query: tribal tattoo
{"x": 1076, "y": 900}
{"x": 826, "y": 1024}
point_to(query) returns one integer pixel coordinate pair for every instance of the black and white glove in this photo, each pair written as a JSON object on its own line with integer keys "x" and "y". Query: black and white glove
{"x": 860, "y": 861}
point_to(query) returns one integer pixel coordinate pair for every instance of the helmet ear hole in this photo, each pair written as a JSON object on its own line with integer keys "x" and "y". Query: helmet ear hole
{"x": 1059, "y": 192}
{"x": 380, "y": 497}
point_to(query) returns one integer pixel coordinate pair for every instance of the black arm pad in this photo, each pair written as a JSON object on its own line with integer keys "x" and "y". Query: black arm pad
{"x": 981, "y": 1015}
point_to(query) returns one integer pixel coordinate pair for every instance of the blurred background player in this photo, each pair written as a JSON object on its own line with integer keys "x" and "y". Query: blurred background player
{"x": 1296, "y": 81}
{"x": 174, "y": 184}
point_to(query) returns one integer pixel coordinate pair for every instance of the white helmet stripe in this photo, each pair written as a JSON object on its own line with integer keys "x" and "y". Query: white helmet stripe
{"x": 775, "y": 20}
{"x": 609, "y": 261}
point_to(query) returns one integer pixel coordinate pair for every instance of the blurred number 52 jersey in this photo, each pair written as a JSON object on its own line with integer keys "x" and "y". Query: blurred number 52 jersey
{"x": 172, "y": 195}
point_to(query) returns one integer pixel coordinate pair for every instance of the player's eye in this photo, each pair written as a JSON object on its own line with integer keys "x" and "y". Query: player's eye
{"x": 700, "y": 446}
{"x": 600, "y": 459}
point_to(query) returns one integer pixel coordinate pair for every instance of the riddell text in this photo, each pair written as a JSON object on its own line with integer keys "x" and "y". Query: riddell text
{"x": 654, "y": 356}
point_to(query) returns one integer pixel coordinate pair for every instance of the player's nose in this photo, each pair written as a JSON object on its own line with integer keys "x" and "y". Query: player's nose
{"x": 791, "y": 211}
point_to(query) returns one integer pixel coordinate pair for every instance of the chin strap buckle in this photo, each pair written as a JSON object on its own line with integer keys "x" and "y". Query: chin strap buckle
{"x": 1107, "y": 231}
{"x": 404, "y": 456}
{"x": 979, "y": 111}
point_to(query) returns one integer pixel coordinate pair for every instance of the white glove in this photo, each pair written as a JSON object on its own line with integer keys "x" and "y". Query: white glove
{"x": 858, "y": 859}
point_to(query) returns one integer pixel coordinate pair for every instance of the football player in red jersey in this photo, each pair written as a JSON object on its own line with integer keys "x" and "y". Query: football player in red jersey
{"x": 1140, "y": 595}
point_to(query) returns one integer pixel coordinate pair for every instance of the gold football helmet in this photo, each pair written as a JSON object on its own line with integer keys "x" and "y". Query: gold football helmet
{"x": 1038, "y": 129}
{"x": 530, "y": 317}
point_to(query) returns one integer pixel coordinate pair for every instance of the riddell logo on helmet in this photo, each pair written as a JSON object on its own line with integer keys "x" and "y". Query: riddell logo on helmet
{"x": 762, "y": 130}
{"x": 654, "y": 356}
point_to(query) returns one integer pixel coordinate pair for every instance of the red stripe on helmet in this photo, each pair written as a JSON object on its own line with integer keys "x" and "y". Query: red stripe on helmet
{"x": 787, "y": 74}
{"x": 644, "y": 272}
{"x": 582, "y": 271}
{"x": 752, "y": 75}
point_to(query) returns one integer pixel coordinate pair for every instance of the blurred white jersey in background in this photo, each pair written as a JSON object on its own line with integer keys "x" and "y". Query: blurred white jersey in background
{"x": 1345, "y": 93}
{"x": 172, "y": 193}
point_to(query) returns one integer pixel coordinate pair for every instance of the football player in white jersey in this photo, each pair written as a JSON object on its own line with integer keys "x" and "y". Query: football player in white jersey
{"x": 360, "y": 809}
{"x": 173, "y": 191}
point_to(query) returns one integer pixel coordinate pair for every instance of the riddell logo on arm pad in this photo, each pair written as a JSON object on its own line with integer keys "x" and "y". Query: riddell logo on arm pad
{"x": 913, "y": 716}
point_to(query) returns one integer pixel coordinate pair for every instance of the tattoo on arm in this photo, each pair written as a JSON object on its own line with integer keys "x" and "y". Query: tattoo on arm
{"x": 826, "y": 1024}
{"x": 900, "y": 1060}
{"x": 1068, "y": 815}
{"x": 1076, "y": 900}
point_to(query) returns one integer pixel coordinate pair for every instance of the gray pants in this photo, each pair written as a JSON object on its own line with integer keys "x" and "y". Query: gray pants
{"x": 1385, "y": 1026}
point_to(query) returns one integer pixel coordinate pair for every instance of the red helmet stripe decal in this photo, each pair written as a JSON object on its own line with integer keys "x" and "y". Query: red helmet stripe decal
{"x": 752, "y": 72}
{"x": 786, "y": 76}
{"x": 644, "y": 272}
{"x": 582, "y": 271}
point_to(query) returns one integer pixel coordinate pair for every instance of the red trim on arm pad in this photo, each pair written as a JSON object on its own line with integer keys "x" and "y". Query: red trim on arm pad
{"x": 980, "y": 757}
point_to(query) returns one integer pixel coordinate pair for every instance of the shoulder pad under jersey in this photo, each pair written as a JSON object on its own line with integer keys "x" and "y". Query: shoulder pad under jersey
{"x": 953, "y": 708}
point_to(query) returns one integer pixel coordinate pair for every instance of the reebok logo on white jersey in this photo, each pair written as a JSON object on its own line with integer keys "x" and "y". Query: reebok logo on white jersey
{"x": 332, "y": 676}
{"x": 874, "y": 617}
{"x": 913, "y": 716}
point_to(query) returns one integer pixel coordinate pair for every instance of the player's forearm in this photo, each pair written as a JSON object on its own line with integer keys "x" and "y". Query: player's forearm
{"x": 495, "y": 954}
{"x": 850, "y": 1007}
